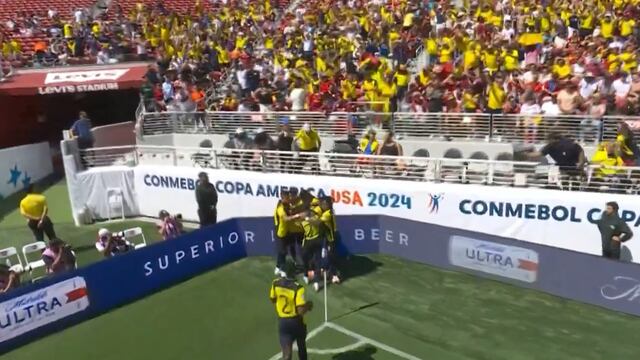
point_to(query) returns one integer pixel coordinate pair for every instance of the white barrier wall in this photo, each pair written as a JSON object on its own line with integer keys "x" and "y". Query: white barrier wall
{"x": 23, "y": 165}
{"x": 555, "y": 218}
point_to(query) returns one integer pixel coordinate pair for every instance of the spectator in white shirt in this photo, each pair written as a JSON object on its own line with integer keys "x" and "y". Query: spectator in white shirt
{"x": 590, "y": 126}
{"x": 549, "y": 106}
{"x": 621, "y": 88}
{"x": 530, "y": 121}
{"x": 589, "y": 85}
{"x": 79, "y": 16}
{"x": 241, "y": 76}
{"x": 298, "y": 97}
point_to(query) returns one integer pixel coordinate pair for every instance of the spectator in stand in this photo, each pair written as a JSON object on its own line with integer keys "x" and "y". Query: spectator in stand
{"x": 621, "y": 88}
{"x": 9, "y": 279}
{"x": 307, "y": 139}
{"x": 566, "y": 153}
{"x": 591, "y": 126}
{"x": 198, "y": 98}
{"x": 607, "y": 157}
{"x": 109, "y": 244}
{"x": 629, "y": 151}
{"x": 81, "y": 130}
{"x": 58, "y": 257}
{"x": 390, "y": 147}
{"x": 297, "y": 97}
{"x": 368, "y": 144}
{"x": 168, "y": 94}
{"x": 569, "y": 100}
{"x": 34, "y": 207}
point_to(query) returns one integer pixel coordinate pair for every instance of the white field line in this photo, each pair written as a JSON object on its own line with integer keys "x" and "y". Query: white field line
{"x": 310, "y": 335}
{"x": 341, "y": 350}
{"x": 377, "y": 344}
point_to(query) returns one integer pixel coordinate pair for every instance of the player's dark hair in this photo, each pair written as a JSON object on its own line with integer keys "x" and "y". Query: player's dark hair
{"x": 614, "y": 205}
{"x": 328, "y": 200}
{"x": 290, "y": 269}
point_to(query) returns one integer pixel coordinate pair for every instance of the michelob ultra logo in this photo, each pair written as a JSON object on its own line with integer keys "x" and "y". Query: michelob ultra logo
{"x": 43, "y": 306}
{"x": 492, "y": 258}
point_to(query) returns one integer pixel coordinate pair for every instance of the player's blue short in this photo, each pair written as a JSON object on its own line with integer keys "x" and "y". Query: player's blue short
{"x": 292, "y": 330}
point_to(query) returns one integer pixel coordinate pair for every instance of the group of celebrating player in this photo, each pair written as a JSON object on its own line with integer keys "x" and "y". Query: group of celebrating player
{"x": 305, "y": 229}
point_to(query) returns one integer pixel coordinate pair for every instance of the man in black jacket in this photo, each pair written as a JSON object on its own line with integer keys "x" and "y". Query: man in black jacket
{"x": 613, "y": 231}
{"x": 207, "y": 198}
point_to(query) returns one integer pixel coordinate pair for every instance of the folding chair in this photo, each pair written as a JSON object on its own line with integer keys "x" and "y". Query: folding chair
{"x": 38, "y": 248}
{"x": 115, "y": 201}
{"x": 11, "y": 257}
{"x": 129, "y": 234}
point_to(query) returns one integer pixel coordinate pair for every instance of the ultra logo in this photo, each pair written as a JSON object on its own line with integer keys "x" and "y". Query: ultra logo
{"x": 493, "y": 258}
{"x": 41, "y": 307}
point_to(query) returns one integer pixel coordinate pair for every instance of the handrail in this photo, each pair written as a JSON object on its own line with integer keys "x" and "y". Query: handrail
{"x": 411, "y": 168}
{"x": 530, "y": 129}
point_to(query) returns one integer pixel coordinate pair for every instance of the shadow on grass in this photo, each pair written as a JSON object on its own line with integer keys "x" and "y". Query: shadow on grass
{"x": 354, "y": 266}
{"x": 365, "y": 353}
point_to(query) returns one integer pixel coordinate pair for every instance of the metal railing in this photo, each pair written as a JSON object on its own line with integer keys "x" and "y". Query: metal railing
{"x": 472, "y": 126}
{"x": 444, "y": 170}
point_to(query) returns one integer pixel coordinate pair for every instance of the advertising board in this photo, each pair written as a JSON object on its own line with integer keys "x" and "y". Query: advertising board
{"x": 546, "y": 217}
{"x": 58, "y": 302}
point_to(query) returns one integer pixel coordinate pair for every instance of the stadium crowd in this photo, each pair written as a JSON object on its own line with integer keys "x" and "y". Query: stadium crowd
{"x": 513, "y": 57}
{"x": 556, "y": 57}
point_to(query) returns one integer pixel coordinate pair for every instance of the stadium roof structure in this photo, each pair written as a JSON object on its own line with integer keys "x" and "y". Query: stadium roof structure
{"x": 77, "y": 79}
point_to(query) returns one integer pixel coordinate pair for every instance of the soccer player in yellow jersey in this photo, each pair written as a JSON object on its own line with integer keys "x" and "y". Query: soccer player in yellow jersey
{"x": 312, "y": 245}
{"x": 288, "y": 297}
{"x": 330, "y": 230}
{"x": 286, "y": 236}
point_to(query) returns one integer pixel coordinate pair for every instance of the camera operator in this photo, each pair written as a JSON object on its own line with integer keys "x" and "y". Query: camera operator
{"x": 112, "y": 244}
{"x": 58, "y": 257}
{"x": 9, "y": 279}
{"x": 170, "y": 227}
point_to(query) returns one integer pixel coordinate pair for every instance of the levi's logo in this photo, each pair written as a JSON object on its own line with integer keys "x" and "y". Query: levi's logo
{"x": 84, "y": 76}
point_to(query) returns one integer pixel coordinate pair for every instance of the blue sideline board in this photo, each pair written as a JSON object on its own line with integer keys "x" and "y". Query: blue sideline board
{"x": 62, "y": 301}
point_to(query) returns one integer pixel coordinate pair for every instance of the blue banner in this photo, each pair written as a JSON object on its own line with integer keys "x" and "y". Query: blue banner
{"x": 61, "y": 301}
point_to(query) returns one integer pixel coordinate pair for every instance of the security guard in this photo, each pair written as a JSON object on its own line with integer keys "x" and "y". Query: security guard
{"x": 288, "y": 297}
{"x": 312, "y": 247}
{"x": 330, "y": 230}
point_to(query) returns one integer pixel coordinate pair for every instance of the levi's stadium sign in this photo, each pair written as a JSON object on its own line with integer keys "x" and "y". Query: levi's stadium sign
{"x": 77, "y": 80}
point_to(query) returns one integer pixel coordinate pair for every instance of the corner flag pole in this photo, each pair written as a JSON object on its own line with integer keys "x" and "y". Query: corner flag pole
{"x": 326, "y": 313}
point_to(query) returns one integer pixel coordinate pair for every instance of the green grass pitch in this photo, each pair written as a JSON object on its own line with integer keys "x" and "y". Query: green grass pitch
{"x": 385, "y": 303}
